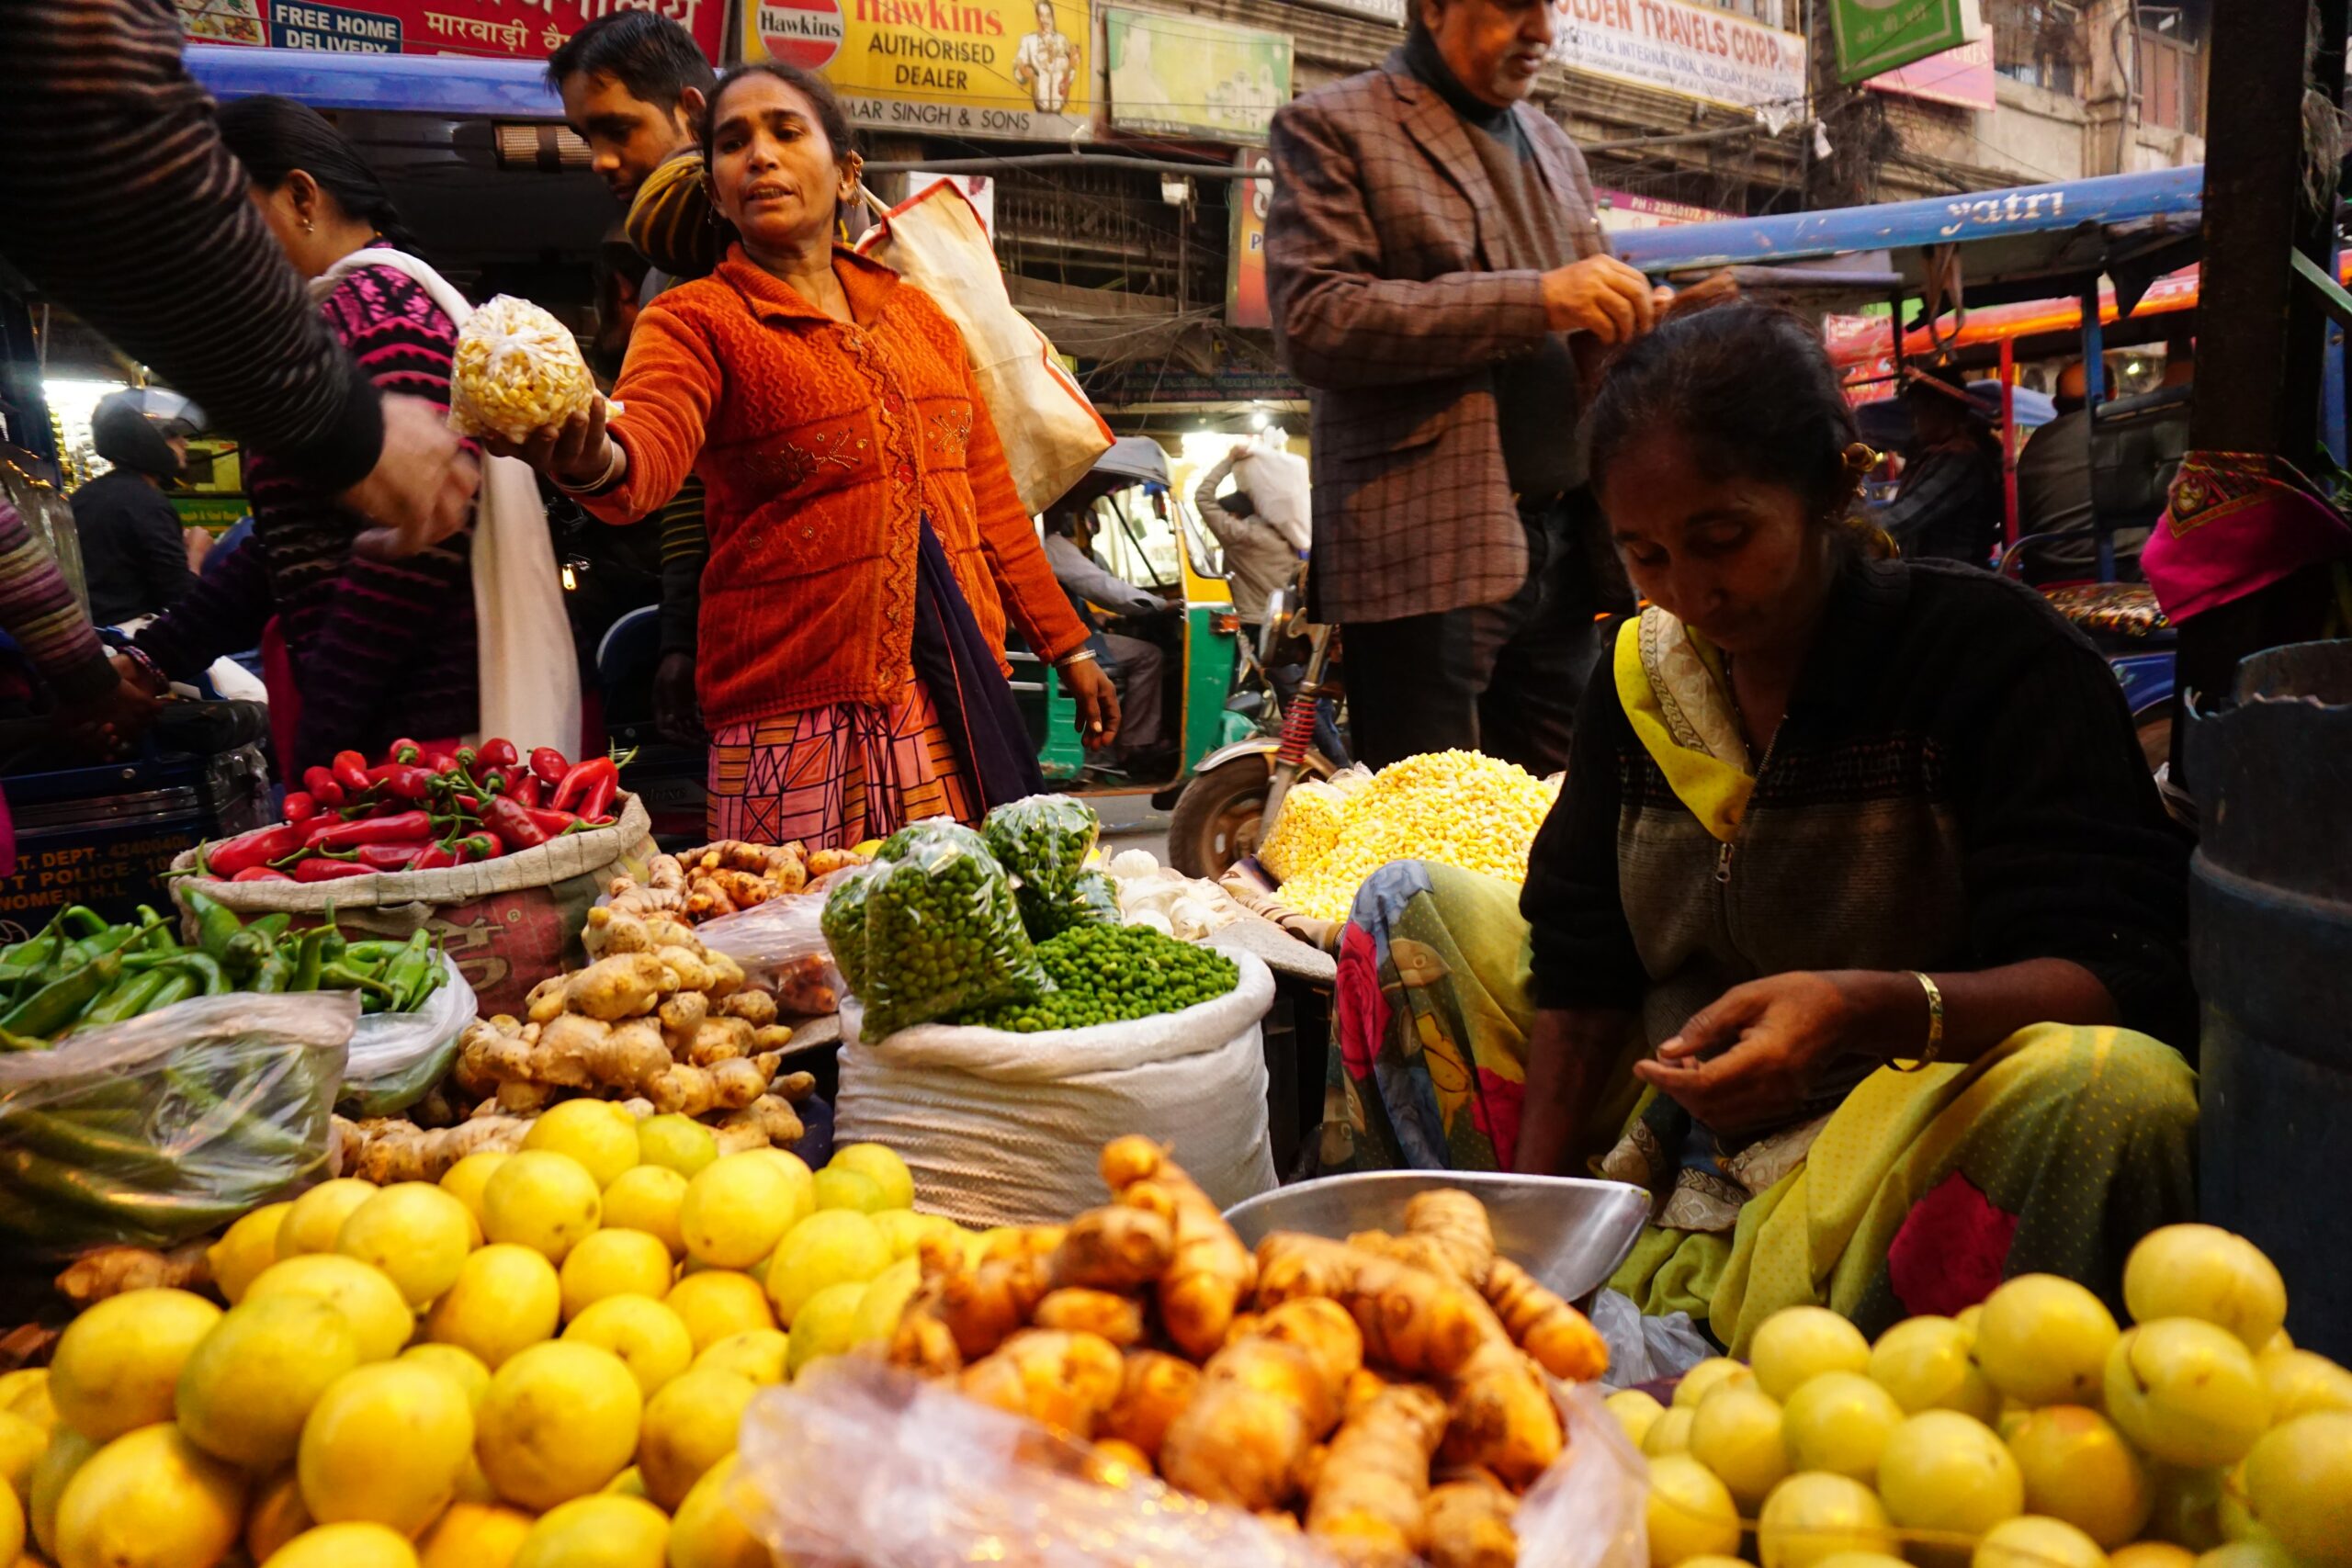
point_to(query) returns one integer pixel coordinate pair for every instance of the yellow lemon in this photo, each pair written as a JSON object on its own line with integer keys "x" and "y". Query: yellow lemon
{"x": 830, "y": 1248}
{"x": 598, "y": 1134}
{"x": 629, "y": 1483}
{"x": 115, "y": 1366}
{"x": 12, "y": 1525}
{"x": 506, "y": 1298}
{"x": 689, "y": 1427}
{"x": 560, "y": 1420}
{"x": 708, "y": 1532}
{"x": 904, "y": 1230}
{"x": 415, "y": 1233}
{"x": 825, "y": 1325}
{"x": 676, "y": 1143}
{"x": 649, "y": 1199}
{"x": 1796, "y": 1344}
{"x": 735, "y": 1209}
{"x": 350, "y": 1545}
{"x": 386, "y": 1443}
{"x": 21, "y": 1442}
{"x": 379, "y": 1314}
{"x": 150, "y": 1499}
{"x": 614, "y": 1263}
{"x": 598, "y": 1532}
{"x": 757, "y": 1354}
{"x": 1816, "y": 1514}
{"x": 276, "y": 1517}
{"x": 717, "y": 1302}
{"x": 834, "y": 1188}
{"x": 2032, "y": 1541}
{"x": 26, "y": 1393}
{"x": 464, "y": 1180}
{"x": 648, "y": 1337}
{"x": 454, "y": 1362}
{"x": 797, "y": 1176}
{"x": 1635, "y": 1412}
{"x": 245, "y": 1249}
{"x": 884, "y": 1301}
{"x": 2303, "y": 1383}
{"x": 541, "y": 1200}
{"x": 1690, "y": 1512}
{"x": 881, "y": 1165}
{"x": 1705, "y": 1377}
{"x": 249, "y": 1384}
{"x": 67, "y": 1452}
{"x": 317, "y": 1216}
{"x": 474, "y": 1535}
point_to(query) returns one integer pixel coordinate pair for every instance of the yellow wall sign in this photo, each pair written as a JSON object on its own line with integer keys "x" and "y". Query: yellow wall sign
{"x": 1018, "y": 69}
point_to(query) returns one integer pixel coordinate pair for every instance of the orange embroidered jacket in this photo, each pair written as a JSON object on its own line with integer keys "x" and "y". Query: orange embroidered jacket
{"x": 822, "y": 444}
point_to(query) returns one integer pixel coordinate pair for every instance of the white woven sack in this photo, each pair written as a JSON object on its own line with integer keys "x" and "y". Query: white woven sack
{"x": 1276, "y": 480}
{"x": 1003, "y": 1129}
{"x": 1050, "y": 433}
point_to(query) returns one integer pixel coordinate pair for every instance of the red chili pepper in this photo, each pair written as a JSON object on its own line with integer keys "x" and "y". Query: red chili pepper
{"x": 260, "y": 873}
{"x": 322, "y": 786}
{"x": 250, "y": 850}
{"x": 434, "y": 857}
{"x": 324, "y": 868}
{"x": 468, "y": 803}
{"x": 300, "y": 806}
{"x": 528, "y": 788}
{"x": 598, "y": 802}
{"x": 475, "y": 847}
{"x": 350, "y": 769}
{"x": 403, "y": 751}
{"x": 405, "y": 781}
{"x": 549, "y": 764}
{"x": 514, "y": 823}
{"x": 406, "y": 826}
{"x": 582, "y": 775}
{"x": 401, "y": 856}
{"x": 441, "y": 764}
{"x": 552, "y": 821}
{"x": 500, "y": 754}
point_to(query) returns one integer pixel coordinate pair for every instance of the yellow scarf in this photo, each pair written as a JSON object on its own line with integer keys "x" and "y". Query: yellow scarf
{"x": 1672, "y": 683}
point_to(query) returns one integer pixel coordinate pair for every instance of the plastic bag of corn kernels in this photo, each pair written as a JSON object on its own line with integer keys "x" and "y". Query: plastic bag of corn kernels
{"x": 518, "y": 371}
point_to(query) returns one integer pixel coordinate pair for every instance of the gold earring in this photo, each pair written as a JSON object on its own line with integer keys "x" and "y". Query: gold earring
{"x": 1859, "y": 458}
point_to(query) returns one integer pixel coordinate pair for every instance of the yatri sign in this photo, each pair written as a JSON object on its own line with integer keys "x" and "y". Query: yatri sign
{"x": 1880, "y": 35}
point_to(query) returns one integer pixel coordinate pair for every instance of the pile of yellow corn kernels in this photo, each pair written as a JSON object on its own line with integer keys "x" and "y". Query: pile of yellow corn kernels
{"x": 517, "y": 372}
{"x": 1457, "y": 809}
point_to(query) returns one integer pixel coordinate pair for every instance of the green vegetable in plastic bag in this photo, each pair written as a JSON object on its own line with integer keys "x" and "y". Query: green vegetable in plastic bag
{"x": 1043, "y": 840}
{"x": 843, "y": 923}
{"x": 942, "y": 931}
{"x": 1090, "y": 899}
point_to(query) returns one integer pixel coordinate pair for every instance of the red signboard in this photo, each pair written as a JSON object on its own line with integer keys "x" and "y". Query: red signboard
{"x": 526, "y": 30}
{"x": 1961, "y": 76}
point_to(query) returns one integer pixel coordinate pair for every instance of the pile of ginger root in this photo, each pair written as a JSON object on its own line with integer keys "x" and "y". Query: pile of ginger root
{"x": 1385, "y": 1394}
{"x": 724, "y": 878}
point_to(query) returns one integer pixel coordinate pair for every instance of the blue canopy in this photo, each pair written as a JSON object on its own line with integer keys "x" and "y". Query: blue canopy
{"x": 451, "y": 86}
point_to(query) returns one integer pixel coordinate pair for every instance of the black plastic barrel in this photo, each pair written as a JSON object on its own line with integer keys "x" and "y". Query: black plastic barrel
{"x": 2271, "y": 911}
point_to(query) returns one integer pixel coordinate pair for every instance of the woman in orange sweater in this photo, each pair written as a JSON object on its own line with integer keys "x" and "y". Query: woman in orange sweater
{"x": 866, "y": 540}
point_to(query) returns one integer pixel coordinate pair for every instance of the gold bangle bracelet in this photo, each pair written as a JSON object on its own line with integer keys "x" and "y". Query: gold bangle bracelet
{"x": 1935, "y": 1050}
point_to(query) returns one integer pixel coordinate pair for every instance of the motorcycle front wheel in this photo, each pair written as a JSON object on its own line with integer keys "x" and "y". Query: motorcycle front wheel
{"x": 1216, "y": 819}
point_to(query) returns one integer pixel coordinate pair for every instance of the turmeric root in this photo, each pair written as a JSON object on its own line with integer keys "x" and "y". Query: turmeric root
{"x": 1502, "y": 1416}
{"x": 627, "y": 985}
{"x": 106, "y": 1271}
{"x": 1211, "y": 1271}
{"x": 922, "y": 1342}
{"x": 1065, "y": 1381}
{"x": 1114, "y": 1248}
{"x": 1455, "y": 1224}
{"x": 985, "y": 1306}
{"x": 1153, "y": 1392}
{"x": 1368, "y": 1502}
{"x": 804, "y": 985}
{"x": 1468, "y": 1524}
{"x": 1022, "y": 1241}
{"x": 1562, "y": 1339}
{"x": 1116, "y": 1318}
{"x": 1413, "y": 1321}
{"x": 664, "y": 872}
{"x": 1264, "y": 1403}
{"x": 1119, "y": 1462}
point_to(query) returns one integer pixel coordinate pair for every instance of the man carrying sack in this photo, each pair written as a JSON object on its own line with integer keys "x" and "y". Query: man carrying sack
{"x": 1436, "y": 270}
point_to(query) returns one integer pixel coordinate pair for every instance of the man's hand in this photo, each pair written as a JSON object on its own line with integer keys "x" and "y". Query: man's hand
{"x": 1748, "y": 1058}
{"x": 1602, "y": 296}
{"x": 677, "y": 706}
{"x": 1097, "y": 700}
{"x": 423, "y": 487}
{"x": 109, "y": 726}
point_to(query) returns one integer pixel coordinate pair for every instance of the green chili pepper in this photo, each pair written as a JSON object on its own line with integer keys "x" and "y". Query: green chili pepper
{"x": 413, "y": 974}
{"x": 27, "y": 960}
{"x": 308, "y": 962}
{"x": 373, "y": 952}
{"x": 216, "y": 924}
{"x": 207, "y": 971}
{"x": 343, "y": 977}
{"x": 83, "y": 919}
{"x": 243, "y": 955}
{"x": 179, "y": 985}
{"x": 272, "y": 926}
{"x": 11, "y": 1042}
{"x": 331, "y": 942}
{"x": 114, "y": 939}
{"x": 128, "y": 998}
{"x": 46, "y": 1013}
{"x": 276, "y": 972}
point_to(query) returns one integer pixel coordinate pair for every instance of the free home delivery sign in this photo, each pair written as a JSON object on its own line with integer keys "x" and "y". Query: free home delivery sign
{"x": 1695, "y": 51}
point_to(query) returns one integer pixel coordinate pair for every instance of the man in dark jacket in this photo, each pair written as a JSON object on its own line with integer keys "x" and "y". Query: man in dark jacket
{"x": 134, "y": 556}
{"x": 1436, "y": 268}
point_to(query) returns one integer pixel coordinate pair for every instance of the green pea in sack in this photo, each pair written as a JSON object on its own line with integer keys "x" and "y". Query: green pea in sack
{"x": 941, "y": 933}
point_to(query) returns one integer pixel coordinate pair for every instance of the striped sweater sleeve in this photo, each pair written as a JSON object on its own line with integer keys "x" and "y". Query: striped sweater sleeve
{"x": 38, "y": 610}
{"x": 123, "y": 204}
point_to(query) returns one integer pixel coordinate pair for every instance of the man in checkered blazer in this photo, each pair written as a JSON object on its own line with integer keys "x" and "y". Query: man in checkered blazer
{"x": 1436, "y": 270}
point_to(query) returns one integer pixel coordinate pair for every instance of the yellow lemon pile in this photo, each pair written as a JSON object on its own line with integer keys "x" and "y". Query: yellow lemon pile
{"x": 1457, "y": 809}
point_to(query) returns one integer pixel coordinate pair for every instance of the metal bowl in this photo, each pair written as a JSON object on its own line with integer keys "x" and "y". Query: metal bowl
{"x": 1570, "y": 1232}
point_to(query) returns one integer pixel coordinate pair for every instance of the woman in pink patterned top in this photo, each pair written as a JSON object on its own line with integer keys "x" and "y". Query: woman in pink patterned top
{"x": 376, "y": 648}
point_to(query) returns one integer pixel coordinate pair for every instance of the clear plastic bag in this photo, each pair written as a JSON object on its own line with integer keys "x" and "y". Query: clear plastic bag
{"x": 156, "y": 1131}
{"x": 1043, "y": 840}
{"x": 782, "y": 944}
{"x": 1091, "y": 898}
{"x": 942, "y": 1482}
{"x": 939, "y": 929}
{"x": 517, "y": 371}
{"x": 396, "y": 1057}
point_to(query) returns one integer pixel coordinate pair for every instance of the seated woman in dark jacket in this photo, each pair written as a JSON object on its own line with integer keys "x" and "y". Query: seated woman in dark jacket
{"x": 1858, "y": 870}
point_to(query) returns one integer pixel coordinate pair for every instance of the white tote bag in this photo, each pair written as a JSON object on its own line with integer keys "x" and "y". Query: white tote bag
{"x": 1051, "y": 434}
{"x": 529, "y": 674}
